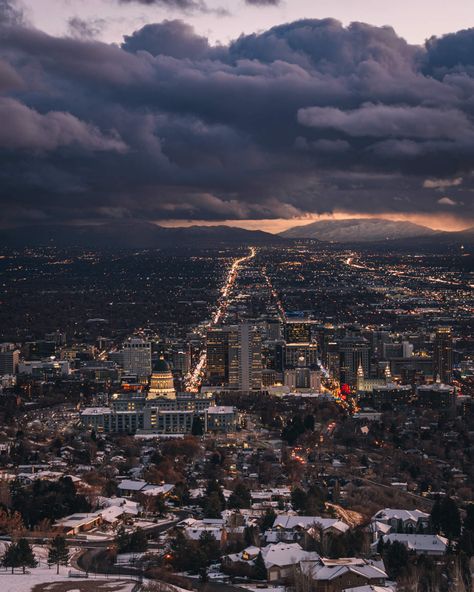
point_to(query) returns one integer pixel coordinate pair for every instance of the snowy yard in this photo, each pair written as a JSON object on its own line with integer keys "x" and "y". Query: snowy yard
{"x": 43, "y": 579}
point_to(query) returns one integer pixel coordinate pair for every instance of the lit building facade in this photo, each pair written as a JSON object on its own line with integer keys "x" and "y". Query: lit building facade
{"x": 161, "y": 381}
{"x": 135, "y": 412}
{"x": 245, "y": 358}
{"x": 136, "y": 357}
{"x": 443, "y": 355}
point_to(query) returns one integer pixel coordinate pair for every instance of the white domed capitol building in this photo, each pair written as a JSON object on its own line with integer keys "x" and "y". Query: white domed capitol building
{"x": 161, "y": 381}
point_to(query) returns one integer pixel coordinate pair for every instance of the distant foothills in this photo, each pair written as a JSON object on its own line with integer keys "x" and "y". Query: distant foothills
{"x": 374, "y": 232}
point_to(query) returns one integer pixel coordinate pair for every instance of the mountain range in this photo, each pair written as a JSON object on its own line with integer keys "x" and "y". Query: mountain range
{"x": 373, "y": 233}
{"x": 133, "y": 235}
{"x": 359, "y": 230}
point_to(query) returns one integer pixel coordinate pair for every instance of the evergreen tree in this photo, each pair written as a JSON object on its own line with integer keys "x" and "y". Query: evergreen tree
{"x": 209, "y": 547}
{"x": 315, "y": 501}
{"x": 197, "y": 428}
{"x": 10, "y": 557}
{"x": 110, "y": 488}
{"x": 259, "y": 567}
{"x": 138, "y": 541}
{"x": 380, "y": 546}
{"x": 298, "y": 499}
{"x": 122, "y": 539}
{"x": 468, "y": 522}
{"x": 213, "y": 506}
{"x": 181, "y": 493}
{"x": 214, "y": 487}
{"x": 58, "y": 553}
{"x": 466, "y": 543}
{"x": 396, "y": 559}
{"x": 179, "y": 552}
{"x": 159, "y": 504}
{"x": 240, "y": 497}
{"x": 435, "y": 516}
{"x": 26, "y": 557}
{"x": 268, "y": 519}
{"x": 251, "y": 536}
{"x": 450, "y": 518}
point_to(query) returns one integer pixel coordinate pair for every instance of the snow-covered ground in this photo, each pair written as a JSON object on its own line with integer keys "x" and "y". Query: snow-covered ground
{"x": 45, "y": 579}
{"x": 128, "y": 558}
{"x": 268, "y": 588}
{"x": 48, "y": 581}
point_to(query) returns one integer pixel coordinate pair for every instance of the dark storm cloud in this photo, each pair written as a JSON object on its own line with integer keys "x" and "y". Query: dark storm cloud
{"x": 172, "y": 38}
{"x": 452, "y": 51}
{"x": 10, "y": 14}
{"x": 85, "y": 29}
{"x": 185, "y": 5}
{"x": 309, "y": 116}
{"x": 263, "y": 2}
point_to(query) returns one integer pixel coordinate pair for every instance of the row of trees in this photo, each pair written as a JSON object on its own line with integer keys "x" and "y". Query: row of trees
{"x": 445, "y": 518}
{"x": 20, "y": 554}
{"x": 193, "y": 556}
{"x": 296, "y": 427}
{"x": 308, "y": 503}
{"x": 422, "y": 573}
{"x": 52, "y": 500}
{"x": 131, "y": 542}
{"x": 214, "y": 502}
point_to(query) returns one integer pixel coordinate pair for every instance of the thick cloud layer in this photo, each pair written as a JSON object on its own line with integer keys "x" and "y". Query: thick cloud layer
{"x": 309, "y": 116}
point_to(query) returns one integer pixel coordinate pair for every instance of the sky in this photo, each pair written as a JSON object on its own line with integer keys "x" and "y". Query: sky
{"x": 258, "y": 113}
{"x": 224, "y": 20}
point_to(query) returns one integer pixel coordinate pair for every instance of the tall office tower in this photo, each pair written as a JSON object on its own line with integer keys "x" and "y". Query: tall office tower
{"x": 181, "y": 361}
{"x": 332, "y": 359}
{"x": 9, "y": 358}
{"x": 38, "y": 350}
{"x": 295, "y": 351}
{"x": 298, "y": 331}
{"x": 136, "y": 356}
{"x": 443, "y": 355}
{"x": 245, "y": 358}
{"x": 324, "y": 336}
{"x": 379, "y": 339}
{"x": 353, "y": 353}
{"x": 397, "y": 350}
{"x": 273, "y": 355}
{"x": 217, "y": 363}
{"x": 273, "y": 329}
{"x": 58, "y": 337}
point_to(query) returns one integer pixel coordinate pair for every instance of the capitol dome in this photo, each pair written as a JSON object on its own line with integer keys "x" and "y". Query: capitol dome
{"x": 161, "y": 366}
{"x": 161, "y": 382}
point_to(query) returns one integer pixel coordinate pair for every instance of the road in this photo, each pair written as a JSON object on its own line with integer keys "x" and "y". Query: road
{"x": 352, "y": 262}
{"x": 194, "y": 379}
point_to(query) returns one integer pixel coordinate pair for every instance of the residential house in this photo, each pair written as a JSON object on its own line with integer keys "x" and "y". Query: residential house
{"x": 301, "y": 529}
{"x": 408, "y": 521}
{"x": 336, "y": 575}
{"x": 421, "y": 544}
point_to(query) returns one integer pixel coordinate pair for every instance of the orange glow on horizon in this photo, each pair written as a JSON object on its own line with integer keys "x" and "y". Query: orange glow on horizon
{"x": 445, "y": 221}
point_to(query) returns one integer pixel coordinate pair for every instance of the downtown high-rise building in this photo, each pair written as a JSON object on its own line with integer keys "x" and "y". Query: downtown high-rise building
{"x": 354, "y": 353}
{"x": 245, "y": 358}
{"x": 443, "y": 355}
{"x": 217, "y": 362}
{"x": 181, "y": 359}
{"x": 136, "y": 357}
{"x": 299, "y": 331}
{"x": 9, "y": 358}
